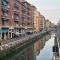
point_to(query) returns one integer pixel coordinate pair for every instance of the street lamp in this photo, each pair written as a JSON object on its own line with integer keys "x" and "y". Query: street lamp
{"x": 25, "y": 29}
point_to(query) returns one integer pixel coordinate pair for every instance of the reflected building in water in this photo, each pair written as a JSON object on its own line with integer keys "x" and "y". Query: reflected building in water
{"x": 30, "y": 51}
{"x": 37, "y": 47}
{"x": 28, "y": 54}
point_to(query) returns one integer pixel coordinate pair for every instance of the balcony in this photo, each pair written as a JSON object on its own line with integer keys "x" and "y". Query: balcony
{"x": 24, "y": 14}
{"x": 16, "y": 5}
{"x": 16, "y": 18}
{"x": 5, "y": 5}
{"x": 5, "y": 26}
{"x": 5, "y": 19}
{"x": 30, "y": 27}
{"x": 23, "y": 10}
{"x": 5, "y": 15}
{"x": 6, "y": 1}
{"x": 4, "y": 30}
{"x": 17, "y": 26}
{"x": 5, "y": 8}
{"x": 17, "y": 1}
{"x": 16, "y": 11}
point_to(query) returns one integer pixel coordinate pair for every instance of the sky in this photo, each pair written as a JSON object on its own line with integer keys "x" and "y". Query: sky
{"x": 49, "y": 8}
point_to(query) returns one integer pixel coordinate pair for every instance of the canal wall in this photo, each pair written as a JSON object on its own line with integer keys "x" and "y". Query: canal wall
{"x": 13, "y": 46}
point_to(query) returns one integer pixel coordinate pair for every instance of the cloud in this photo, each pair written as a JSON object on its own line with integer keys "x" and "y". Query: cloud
{"x": 49, "y": 8}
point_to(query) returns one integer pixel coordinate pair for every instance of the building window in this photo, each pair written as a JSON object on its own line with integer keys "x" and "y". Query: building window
{"x": 28, "y": 23}
{"x": 4, "y": 2}
{"x": 5, "y": 6}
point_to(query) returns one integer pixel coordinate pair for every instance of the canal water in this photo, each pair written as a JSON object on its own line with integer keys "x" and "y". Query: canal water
{"x": 39, "y": 50}
{"x": 46, "y": 53}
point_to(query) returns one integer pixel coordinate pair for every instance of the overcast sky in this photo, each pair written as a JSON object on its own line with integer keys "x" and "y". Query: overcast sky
{"x": 49, "y": 8}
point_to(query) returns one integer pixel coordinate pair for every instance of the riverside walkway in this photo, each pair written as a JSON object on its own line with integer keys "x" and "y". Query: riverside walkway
{"x": 12, "y": 42}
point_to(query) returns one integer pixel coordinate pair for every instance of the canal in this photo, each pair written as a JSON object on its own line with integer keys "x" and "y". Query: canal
{"x": 39, "y": 50}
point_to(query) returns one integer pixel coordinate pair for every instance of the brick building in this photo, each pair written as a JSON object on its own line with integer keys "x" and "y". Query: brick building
{"x": 18, "y": 17}
{"x": 4, "y": 18}
{"x": 27, "y": 20}
{"x": 15, "y": 18}
{"x": 34, "y": 17}
{"x": 42, "y": 23}
{"x": 10, "y": 17}
{"x": 38, "y": 22}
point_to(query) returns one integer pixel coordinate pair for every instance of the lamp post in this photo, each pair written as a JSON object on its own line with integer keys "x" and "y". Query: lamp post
{"x": 25, "y": 29}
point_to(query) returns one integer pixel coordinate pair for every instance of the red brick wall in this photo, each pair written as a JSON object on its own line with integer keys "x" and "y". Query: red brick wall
{"x": 0, "y": 15}
{"x": 11, "y": 14}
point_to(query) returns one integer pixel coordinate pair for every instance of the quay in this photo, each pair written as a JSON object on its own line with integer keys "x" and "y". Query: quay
{"x": 14, "y": 44}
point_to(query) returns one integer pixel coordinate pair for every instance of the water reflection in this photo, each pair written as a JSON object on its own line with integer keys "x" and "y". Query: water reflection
{"x": 29, "y": 52}
{"x": 46, "y": 52}
{"x": 40, "y": 44}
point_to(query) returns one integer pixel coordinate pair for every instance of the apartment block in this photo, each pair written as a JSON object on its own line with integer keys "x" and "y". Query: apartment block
{"x": 42, "y": 23}
{"x": 10, "y": 18}
{"x": 15, "y": 18}
{"x": 19, "y": 17}
{"x": 27, "y": 20}
{"x": 48, "y": 24}
{"x": 4, "y": 19}
{"x": 33, "y": 16}
{"x": 38, "y": 22}
{"x": 35, "y": 19}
